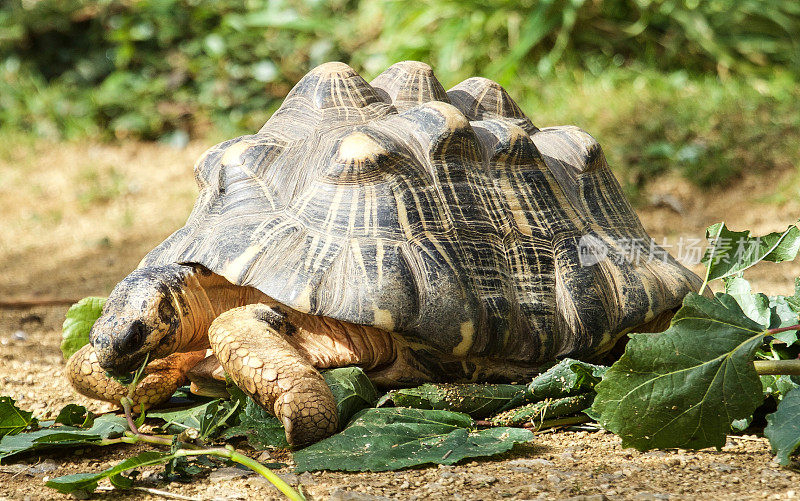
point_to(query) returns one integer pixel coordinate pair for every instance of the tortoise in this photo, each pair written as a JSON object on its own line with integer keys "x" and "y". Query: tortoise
{"x": 424, "y": 235}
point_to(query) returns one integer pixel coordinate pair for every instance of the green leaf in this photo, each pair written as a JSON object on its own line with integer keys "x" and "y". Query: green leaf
{"x": 794, "y": 301}
{"x": 206, "y": 417}
{"x": 261, "y": 428}
{"x": 13, "y": 419}
{"x": 352, "y": 390}
{"x": 80, "y": 318}
{"x": 786, "y": 312}
{"x": 755, "y": 306}
{"x": 778, "y": 385}
{"x": 568, "y": 377}
{"x": 105, "y": 426}
{"x": 741, "y": 424}
{"x": 684, "y": 387}
{"x": 783, "y": 427}
{"x": 75, "y": 415}
{"x": 732, "y": 252}
{"x": 88, "y": 481}
{"x": 477, "y": 400}
{"x": 393, "y": 438}
{"x": 544, "y": 409}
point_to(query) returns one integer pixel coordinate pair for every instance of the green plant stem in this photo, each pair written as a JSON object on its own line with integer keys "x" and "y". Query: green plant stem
{"x": 777, "y": 367}
{"x": 795, "y": 327}
{"x": 127, "y": 405}
{"x": 237, "y": 457}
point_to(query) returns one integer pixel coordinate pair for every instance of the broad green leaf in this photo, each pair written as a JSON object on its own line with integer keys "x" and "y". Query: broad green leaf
{"x": 105, "y": 426}
{"x": 178, "y": 420}
{"x": 566, "y": 378}
{"x": 755, "y": 306}
{"x": 783, "y": 427}
{"x": 207, "y": 418}
{"x": 684, "y": 387}
{"x": 75, "y": 415}
{"x": 732, "y": 252}
{"x": 397, "y": 437}
{"x": 13, "y": 419}
{"x": 352, "y": 390}
{"x": 794, "y": 301}
{"x": 477, "y": 400}
{"x": 786, "y": 312}
{"x": 88, "y": 481}
{"x": 775, "y": 311}
{"x": 544, "y": 409}
{"x": 261, "y": 428}
{"x": 80, "y": 318}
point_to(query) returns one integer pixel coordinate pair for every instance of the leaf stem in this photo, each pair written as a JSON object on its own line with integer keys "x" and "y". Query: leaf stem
{"x": 777, "y": 367}
{"x": 126, "y": 407}
{"x": 552, "y": 423}
{"x": 795, "y": 327}
{"x": 237, "y": 457}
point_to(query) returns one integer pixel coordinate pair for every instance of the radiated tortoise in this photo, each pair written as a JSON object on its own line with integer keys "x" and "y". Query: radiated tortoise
{"x": 422, "y": 234}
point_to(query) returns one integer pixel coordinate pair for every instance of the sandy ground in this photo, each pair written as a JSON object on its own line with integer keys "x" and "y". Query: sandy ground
{"x": 76, "y": 218}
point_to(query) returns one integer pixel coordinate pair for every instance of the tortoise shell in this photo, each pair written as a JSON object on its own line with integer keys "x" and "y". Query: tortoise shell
{"x": 446, "y": 217}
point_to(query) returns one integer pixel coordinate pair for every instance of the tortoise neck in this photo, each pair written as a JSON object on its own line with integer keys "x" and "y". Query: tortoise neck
{"x": 204, "y": 297}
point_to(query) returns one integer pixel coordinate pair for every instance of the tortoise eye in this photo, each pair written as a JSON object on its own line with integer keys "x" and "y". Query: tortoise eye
{"x": 166, "y": 312}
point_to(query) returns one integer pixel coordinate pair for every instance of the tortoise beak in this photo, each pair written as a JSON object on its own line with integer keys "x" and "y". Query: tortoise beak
{"x": 119, "y": 350}
{"x": 124, "y": 366}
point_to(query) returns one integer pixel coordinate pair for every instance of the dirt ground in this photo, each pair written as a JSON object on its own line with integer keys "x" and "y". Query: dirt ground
{"x": 76, "y": 218}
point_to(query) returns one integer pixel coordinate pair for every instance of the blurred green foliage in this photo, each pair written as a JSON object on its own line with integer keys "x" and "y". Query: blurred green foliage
{"x": 704, "y": 85}
{"x": 502, "y": 38}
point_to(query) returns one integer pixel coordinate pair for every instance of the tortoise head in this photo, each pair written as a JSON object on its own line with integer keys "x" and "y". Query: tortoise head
{"x": 141, "y": 316}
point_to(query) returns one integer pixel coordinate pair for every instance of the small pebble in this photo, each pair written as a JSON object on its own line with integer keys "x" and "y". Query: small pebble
{"x": 228, "y": 473}
{"x": 724, "y": 468}
{"x": 80, "y": 494}
{"x": 530, "y": 463}
{"x": 480, "y": 478}
{"x": 343, "y": 495}
{"x": 290, "y": 478}
{"x": 651, "y": 496}
{"x": 306, "y": 478}
{"x": 554, "y": 479}
{"x": 45, "y": 466}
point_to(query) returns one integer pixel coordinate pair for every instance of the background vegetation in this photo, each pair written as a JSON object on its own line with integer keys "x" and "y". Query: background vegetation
{"x": 705, "y": 87}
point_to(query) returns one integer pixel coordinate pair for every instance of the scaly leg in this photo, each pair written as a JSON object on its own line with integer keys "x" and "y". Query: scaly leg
{"x": 162, "y": 377}
{"x": 272, "y": 354}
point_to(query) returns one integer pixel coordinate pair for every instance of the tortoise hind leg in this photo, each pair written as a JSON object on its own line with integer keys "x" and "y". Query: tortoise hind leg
{"x": 252, "y": 343}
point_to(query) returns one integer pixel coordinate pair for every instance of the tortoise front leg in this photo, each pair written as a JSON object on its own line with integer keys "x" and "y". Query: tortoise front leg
{"x": 162, "y": 377}
{"x": 251, "y": 347}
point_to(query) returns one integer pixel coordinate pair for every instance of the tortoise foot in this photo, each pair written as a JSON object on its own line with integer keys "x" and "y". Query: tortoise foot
{"x": 251, "y": 347}
{"x": 162, "y": 378}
